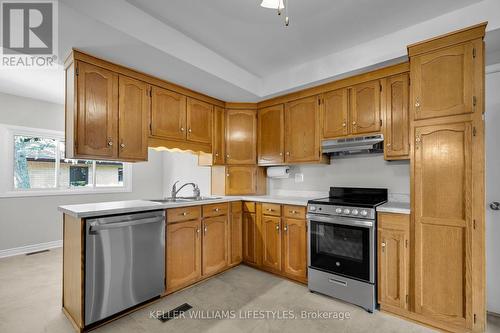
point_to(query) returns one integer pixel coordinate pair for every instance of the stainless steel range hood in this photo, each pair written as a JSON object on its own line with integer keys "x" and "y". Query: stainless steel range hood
{"x": 356, "y": 145}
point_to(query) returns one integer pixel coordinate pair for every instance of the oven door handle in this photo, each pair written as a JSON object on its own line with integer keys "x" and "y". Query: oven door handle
{"x": 342, "y": 283}
{"x": 340, "y": 220}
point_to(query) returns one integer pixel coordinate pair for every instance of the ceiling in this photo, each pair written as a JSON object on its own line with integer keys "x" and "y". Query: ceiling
{"x": 238, "y": 51}
{"x": 255, "y": 38}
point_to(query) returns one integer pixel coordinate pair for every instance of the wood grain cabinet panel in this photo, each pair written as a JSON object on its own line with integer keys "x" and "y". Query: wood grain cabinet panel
{"x": 214, "y": 243}
{"x": 183, "y": 254}
{"x": 271, "y": 135}
{"x": 335, "y": 113}
{"x": 97, "y": 112}
{"x": 443, "y": 81}
{"x": 365, "y": 114}
{"x": 271, "y": 242}
{"x": 251, "y": 238}
{"x": 218, "y": 142}
{"x": 199, "y": 121}
{"x": 168, "y": 114}
{"x": 302, "y": 133}
{"x": 133, "y": 119}
{"x": 295, "y": 249}
{"x": 393, "y": 260}
{"x": 396, "y": 133}
{"x": 236, "y": 234}
{"x": 443, "y": 224}
{"x": 241, "y": 137}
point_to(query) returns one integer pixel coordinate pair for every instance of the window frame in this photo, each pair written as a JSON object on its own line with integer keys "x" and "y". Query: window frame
{"x": 7, "y": 186}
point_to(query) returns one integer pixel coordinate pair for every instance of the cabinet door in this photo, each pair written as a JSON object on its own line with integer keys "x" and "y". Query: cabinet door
{"x": 443, "y": 225}
{"x": 236, "y": 240}
{"x": 133, "y": 119}
{"x": 271, "y": 135}
{"x": 302, "y": 130}
{"x": 183, "y": 254}
{"x": 365, "y": 108}
{"x": 214, "y": 245}
{"x": 219, "y": 133}
{"x": 250, "y": 238}
{"x": 396, "y": 134}
{"x": 241, "y": 136}
{"x": 442, "y": 82}
{"x": 271, "y": 242}
{"x": 168, "y": 114}
{"x": 241, "y": 180}
{"x": 295, "y": 249}
{"x": 97, "y": 124}
{"x": 199, "y": 121}
{"x": 393, "y": 267}
{"x": 335, "y": 113}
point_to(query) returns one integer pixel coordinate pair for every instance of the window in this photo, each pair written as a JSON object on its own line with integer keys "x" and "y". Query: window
{"x": 38, "y": 165}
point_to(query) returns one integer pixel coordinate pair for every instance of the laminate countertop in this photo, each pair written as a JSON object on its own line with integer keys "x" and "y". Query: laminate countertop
{"x": 395, "y": 207}
{"x": 131, "y": 206}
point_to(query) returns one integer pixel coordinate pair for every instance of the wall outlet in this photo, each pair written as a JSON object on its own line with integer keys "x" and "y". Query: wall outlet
{"x": 299, "y": 177}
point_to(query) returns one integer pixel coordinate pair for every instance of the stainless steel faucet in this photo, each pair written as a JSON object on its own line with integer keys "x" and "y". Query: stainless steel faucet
{"x": 196, "y": 190}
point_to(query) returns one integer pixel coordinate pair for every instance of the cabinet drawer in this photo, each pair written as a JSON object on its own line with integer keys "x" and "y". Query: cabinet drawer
{"x": 183, "y": 214}
{"x": 236, "y": 207}
{"x": 249, "y": 206}
{"x": 215, "y": 209}
{"x": 294, "y": 212}
{"x": 393, "y": 221}
{"x": 271, "y": 209}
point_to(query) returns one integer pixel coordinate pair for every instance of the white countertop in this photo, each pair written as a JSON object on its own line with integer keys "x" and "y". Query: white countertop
{"x": 130, "y": 206}
{"x": 395, "y": 207}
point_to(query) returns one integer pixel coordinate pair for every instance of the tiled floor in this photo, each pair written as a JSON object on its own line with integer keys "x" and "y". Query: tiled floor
{"x": 30, "y": 301}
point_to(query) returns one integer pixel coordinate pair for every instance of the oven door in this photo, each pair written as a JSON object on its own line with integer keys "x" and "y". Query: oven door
{"x": 342, "y": 245}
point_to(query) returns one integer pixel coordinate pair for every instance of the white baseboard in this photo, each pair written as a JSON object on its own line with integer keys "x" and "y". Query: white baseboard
{"x": 30, "y": 248}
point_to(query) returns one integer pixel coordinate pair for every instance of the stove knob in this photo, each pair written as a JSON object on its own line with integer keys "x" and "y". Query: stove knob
{"x": 312, "y": 208}
{"x": 364, "y": 213}
{"x": 347, "y": 211}
{"x": 354, "y": 211}
{"x": 338, "y": 210}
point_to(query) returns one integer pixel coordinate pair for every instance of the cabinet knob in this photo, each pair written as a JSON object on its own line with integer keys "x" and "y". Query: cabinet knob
{"x": 388, "y": 145}
{"x": 383, "y": 246}
{"x": 344, "y": 124}
{"x": 285, "y": 228}
{"x": 278, "y": 227}
{"x": 110, "y": 143}
{"x": 227, "y": 155}
{"x": 182, "y": 129}
{"x": 205, "y": 230}
{"x": 216, "y": 209}
{"x": 354, "y": 123}
{"x": 269, "y": 209}
{"x": 287, "y": 153}
{"x": 417, "y": 102}
{"x": 189, "y": 130}
{"x": 184, "y": 213}
{"x": 294, "y": 212}
{"x": 216, "y": 154}
{"x": 281, "y": 154}
{"x": 122, "y": 145}
{"x": 227, "y": 175}
{"x": 417, "y": 139}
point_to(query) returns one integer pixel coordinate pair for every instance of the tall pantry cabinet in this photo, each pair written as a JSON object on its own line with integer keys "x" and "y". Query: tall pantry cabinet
{"x": 447, "y": 170}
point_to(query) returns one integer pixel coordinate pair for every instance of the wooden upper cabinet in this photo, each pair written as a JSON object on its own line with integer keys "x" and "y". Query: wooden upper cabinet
{"x": 168, "y": 114}
{"x": 271, "y": 242}
{"x": 295, "y": 248}
{"x": 365, "y": 114}
{"x": 214, "y": 245}
{"x": 241, "y": 137}
{"x": 442, "y": 200}
{"x": 302, "y": 133}
{"x": 97, "y": 112}
{"x": 393, "y": 260}
{"x": 396, "y": 129}
{"x": 271, "y": 137}
{"x": 183, "y": 254}
{"x": 241, "y": 180}
{"x": 133, "y": 119}
{"x": 218, "y": 141}
{"x": 335, "y": 113}
{"x": 199, "y": 121}
{"x": 442, "y": 81}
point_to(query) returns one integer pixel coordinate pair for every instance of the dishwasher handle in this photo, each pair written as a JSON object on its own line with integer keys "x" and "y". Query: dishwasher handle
{"x": 95, "y": 226}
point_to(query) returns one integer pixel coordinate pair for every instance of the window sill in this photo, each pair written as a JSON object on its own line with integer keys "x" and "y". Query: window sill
{"x": 60, "y": 192}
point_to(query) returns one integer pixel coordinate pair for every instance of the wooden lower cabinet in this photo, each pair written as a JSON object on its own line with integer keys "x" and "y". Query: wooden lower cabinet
{"x": 183, "y": 254}
{"x": 235, "y": 239}
{"x": 251, "y": 239}
{"x": 271, "y": 243}
{"x": 294, "y": 255}
{"x": 214, "y": 254}
{"x": 393, "y": 260}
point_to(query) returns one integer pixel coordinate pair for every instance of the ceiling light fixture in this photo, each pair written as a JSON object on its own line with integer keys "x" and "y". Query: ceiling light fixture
{"x": 279, "y": 5}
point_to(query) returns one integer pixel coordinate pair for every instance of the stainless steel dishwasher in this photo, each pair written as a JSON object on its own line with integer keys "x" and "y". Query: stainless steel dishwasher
{"x": 124, "y": 262}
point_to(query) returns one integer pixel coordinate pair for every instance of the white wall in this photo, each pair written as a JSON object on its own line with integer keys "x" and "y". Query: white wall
{"x": 33, "y": 220}
{"x": 356, "y": 171}
{"x": 183, "y": 166}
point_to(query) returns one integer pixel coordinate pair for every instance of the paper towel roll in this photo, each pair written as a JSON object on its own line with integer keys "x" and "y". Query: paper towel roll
{"x": 278, "y": 172}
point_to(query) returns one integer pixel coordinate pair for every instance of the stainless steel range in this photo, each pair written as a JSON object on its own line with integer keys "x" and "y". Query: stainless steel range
{"x": 342, "y": 244}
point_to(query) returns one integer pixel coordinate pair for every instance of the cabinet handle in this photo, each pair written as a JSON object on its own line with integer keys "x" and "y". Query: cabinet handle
{"x": 189, "y": 130}
{"x": 287, "y": 153}
{"x": 184, "y": 213}
{"x": 383, "y": 246}
{"x": 216, "y": 209}
{"x": 182, "y": 129}
{"x": 197, "y": 232}
{"x": 417, "y": 139}
{"x": 205, "y": 229}
{"x": 227, "y": 155}
{"x": 110, "y": 143}
{"x": 216, "y": 154}
{"x": 285, "y": 228}
{"x": 269, "y": 209}
{"x": 344, "y": 124}
{"x": 227, "y": 175}
{"x": 354, "y": 123}
{"x": 122, "y": 145}
{"x": 281, "y": 154}
{"x": 417, "y": 103}
{"x": 278, "y": 227}
{"x": 388, "y": 145}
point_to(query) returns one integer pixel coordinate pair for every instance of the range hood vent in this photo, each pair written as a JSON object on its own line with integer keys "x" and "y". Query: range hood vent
{"x": 370, "y": 144}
